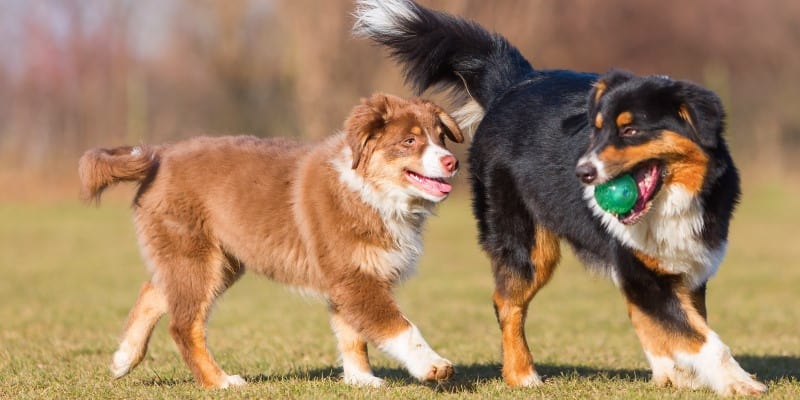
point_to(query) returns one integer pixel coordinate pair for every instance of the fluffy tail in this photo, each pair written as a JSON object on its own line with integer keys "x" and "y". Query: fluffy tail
{"x": 99, "y": 168}
{"x": 438, "y": 49}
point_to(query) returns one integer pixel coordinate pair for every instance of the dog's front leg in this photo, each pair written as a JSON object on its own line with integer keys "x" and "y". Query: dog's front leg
{"x": 669, "y": 319}
{"x": 364, "y": 304}
{"x": 409, "y": 347}
{"x": 353, "y": 354}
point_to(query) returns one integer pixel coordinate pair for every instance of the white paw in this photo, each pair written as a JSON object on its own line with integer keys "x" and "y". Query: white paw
{"x": 362, "y": 379}
{"x": 410, "y": 348}
{"x": 531, "y": 380}
{"x": 714, "y": 367}
{"x": 437, "y": 370}
{"x": 738, "y": 382}
{"x": 120, "y": 364}
{"x": 663, "y": 369}
{"x": 231, "y": 381}
{"x": 748, "y": 387}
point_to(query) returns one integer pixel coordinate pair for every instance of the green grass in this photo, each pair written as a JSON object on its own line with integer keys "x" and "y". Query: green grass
{"x": 68, "y": 275}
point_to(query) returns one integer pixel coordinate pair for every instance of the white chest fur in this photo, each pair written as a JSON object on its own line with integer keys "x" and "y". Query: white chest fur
{"x": 671, "y": 233}
{"x": 402, "y": 217}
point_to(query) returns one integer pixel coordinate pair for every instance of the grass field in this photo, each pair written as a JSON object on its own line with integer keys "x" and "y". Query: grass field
{"x": 68, "y": 275}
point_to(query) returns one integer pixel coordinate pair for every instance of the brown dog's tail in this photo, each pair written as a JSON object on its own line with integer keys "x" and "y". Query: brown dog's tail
{"x": 99, "y": 168}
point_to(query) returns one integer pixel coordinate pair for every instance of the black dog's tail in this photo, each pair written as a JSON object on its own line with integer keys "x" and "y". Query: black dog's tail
{"x": 438, "y": 49}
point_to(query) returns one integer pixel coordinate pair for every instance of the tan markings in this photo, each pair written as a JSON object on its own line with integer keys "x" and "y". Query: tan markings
{"x": 511, "y": 299}
{"x": 650, "y": 262}
{"x": 683, "y": 112}
{"x": 545, "y": 255}
{"x": 695, "y": 316}
{"x": 699, "y": 301}
{"x": 598, "y": 121}
{"x": 624, "y": 118}
{"x": 517, "y": 359}
{"x": 686, "y": 162}
{"x": 416, "y": 130}
{"x": 690, "y": 171}
{"x": 600, "y": 87}
{"x": 659, "y": 340}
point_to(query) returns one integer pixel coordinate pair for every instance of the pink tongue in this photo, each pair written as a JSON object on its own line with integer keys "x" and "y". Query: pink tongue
{"x": 645, "y": 189}
{"x": 435, "y": 186}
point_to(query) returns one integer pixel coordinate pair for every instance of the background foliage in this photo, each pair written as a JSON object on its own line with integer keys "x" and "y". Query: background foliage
{"x": 82, "y": 73}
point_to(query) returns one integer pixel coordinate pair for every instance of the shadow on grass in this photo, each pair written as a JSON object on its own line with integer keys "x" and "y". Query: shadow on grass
{"x": 767, "y": 368}
{"x": 467, "y": 377}
{"x": 770, "y": 368}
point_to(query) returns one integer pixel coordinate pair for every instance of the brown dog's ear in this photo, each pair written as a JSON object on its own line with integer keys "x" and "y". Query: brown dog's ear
{"x": 451, "y": 127}
{"x": 364, "y": 122}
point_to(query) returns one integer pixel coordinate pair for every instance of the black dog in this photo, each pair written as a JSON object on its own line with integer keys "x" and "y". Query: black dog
{"x": 536, "y": 130}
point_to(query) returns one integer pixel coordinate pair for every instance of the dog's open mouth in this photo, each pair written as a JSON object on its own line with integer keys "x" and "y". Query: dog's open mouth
{"x": 648, "y": 182}
{"x": 434, "y": 186}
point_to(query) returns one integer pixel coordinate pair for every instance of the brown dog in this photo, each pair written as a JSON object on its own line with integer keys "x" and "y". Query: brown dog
{"x": 342, "y": 219}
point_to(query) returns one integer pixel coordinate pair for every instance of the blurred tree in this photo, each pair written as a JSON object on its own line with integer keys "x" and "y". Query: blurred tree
{"x": 78, "y": 73}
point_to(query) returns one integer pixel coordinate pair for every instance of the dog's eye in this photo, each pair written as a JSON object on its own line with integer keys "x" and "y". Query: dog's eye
{"x": 629, "y": 131}
{"x": 410, "y": 141}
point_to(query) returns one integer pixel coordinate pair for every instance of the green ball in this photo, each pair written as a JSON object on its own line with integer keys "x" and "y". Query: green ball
{"x": 618, "y": 195}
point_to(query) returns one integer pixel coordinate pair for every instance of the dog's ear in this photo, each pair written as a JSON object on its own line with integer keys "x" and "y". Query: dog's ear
{"x": 365, "y": 121}
{"x": 702, "y": 112}
{"x": 604, "y": 83}
{"x": 451, "y": 128}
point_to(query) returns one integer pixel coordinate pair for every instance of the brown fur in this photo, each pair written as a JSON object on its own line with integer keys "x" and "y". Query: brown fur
{"x": 598, "y": 121}
{"x": 687, "y": 166}
{"x": 624, "y": 118}
{"x": 511, "y": 299}
{"x": 210, "y": 208}
{"x": 600, "y": 89}
{"x": 659, "y": 340}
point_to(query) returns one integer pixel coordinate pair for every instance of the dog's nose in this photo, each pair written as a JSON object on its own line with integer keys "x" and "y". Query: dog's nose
{"x": 449, "y": 163}
{"x": 586, "y": 172}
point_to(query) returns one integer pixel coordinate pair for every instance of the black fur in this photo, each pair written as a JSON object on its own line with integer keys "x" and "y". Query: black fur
{"x": 524, "y": 153}
{"x": 432, "y": 55}
{"x": 536, "y": 127}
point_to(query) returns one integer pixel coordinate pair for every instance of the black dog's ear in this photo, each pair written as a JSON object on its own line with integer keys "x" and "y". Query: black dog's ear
{"x": 702, "y": 111}
{"x": 603, "y": 84}
{"x": 365, "y": 121}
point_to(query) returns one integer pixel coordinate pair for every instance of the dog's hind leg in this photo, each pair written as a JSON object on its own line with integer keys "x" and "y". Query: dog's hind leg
{"x": 523, "y": 256}
{"x": 191, "y": 270}
{"x": 193, "y": 285}
{"x": 669, "y": 319}
{"x": 150, "y": 306}
{"x": 512, "y": 295}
